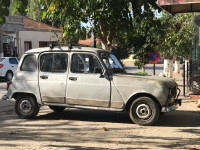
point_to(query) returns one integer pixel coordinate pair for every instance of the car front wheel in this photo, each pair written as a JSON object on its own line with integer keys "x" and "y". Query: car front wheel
{"x": 26, "y": 107}
{"x": 144, "y": 111}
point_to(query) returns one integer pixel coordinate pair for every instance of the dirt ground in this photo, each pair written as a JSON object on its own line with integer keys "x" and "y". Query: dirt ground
{"x": 83, "y": 129}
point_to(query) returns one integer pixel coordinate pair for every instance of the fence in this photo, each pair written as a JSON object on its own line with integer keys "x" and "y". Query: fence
{"x": 193, "y": 76}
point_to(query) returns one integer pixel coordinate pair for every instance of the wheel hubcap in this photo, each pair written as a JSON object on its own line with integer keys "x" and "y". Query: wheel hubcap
{"x": 143, "y": 111}
{"x": 25, "y": 107}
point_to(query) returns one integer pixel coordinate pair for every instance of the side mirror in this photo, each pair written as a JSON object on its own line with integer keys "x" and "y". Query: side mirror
{"x": 99, "y": 70}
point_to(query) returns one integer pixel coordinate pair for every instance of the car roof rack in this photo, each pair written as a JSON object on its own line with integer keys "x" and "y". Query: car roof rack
{"x": 54, "y": 44}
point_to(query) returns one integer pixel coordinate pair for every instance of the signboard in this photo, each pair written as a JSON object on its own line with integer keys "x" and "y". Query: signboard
{"x": 180, "y": 6}
{"x": 154, "y": 56}
{"x": 175, "y": 2}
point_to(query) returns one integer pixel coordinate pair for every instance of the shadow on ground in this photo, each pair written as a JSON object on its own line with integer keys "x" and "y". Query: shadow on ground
{"x": 176, "y": 118}
{"x": 62, "y": 129}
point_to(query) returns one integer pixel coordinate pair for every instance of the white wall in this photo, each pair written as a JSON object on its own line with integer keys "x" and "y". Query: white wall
{"x": 35, "y": 37}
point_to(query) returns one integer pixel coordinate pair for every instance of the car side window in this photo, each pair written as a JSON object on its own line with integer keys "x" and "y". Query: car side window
{"x": 54, "y": 62}
{"x": 84, "y": 63}
{"x": 29, "y": 63}
{"x": 13, "y": 61}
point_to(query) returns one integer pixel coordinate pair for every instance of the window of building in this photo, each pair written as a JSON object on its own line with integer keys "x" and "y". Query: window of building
{"x": 43, "y": 44}
{"x": 27, "y": 45}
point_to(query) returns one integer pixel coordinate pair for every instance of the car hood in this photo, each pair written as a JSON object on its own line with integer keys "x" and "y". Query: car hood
{"x": 129, "y": 77}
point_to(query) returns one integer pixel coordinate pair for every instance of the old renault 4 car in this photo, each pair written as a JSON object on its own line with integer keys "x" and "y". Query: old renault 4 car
{"x": 87, "y": 78}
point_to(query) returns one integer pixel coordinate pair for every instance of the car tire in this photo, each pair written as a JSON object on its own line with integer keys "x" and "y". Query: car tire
{"x": 144, "y": 111}
{"x": 26, "y": 107}
{"x": 9, "y": 75}
{"x": 57, "y": 108}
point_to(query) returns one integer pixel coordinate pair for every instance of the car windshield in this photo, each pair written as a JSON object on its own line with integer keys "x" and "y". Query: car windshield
{"x": 1, "y": 59}
{"x": 111, "y": 62}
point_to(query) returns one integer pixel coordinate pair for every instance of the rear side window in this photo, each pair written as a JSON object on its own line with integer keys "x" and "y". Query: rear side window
{"x": 29, "y": 64}
{"x": 13, "y": 61}
{"x": 54, "y": 62}
{"x": 1, "y": 59}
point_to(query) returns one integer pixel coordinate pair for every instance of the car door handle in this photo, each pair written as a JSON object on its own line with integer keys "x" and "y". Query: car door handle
{"x": 12, "y": 66}
{"x": 44, "y": 77}
{"x": 73, "y": 78}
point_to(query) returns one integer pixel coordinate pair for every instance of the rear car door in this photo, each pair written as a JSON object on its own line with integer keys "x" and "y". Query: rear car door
{"x": 53, "y": 77}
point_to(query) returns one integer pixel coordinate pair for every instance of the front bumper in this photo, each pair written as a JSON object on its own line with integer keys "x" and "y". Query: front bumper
{"x": 174, "y": 106}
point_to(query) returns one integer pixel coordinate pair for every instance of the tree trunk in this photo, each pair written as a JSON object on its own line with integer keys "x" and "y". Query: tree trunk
{"x": 168, "y": 67}
{"x": 106, "y": 47}
{"x": 143, "y": 69}
{"x": 186, "y": 61}
{"x": 177, "y": 65}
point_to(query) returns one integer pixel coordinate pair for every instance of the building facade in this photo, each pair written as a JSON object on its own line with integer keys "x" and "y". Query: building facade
{"x": 21, "y": 33}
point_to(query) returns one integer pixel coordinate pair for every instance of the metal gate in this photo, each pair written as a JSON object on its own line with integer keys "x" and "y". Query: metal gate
{"x": 194, "y": 76}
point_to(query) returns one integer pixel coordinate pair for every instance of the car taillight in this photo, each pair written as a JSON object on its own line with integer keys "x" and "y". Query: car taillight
{"x": 1, "y": 65}
{"x": 8, "y": 84}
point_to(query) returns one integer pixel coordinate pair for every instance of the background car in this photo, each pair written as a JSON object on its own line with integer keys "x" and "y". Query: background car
{"x": 8, "y": 66}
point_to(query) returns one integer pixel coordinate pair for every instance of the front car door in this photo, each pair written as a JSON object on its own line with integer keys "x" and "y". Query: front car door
{"x": 53, "y": 77}
{"x": 85, "y": 86}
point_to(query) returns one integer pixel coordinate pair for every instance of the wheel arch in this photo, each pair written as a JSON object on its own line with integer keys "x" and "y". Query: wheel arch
{"x": 135, "y": 96}
{"x": 9, "y": 71}
{"x": 18, "y": 94}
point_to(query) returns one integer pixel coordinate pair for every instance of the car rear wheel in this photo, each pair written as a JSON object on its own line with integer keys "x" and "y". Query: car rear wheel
{"x": 26, "y": 107}
{"x": 57, "y": 108}
{"x": 9, "y": 76}
{"x": 144, "y": 111}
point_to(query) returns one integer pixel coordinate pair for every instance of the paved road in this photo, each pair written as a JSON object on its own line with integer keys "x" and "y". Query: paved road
{"x": 149, "y": 69}
{"x": 82, "y": 129}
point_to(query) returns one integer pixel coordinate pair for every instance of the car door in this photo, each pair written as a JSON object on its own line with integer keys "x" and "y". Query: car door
{"x": 13, "y": 64}
{"x": 53, "y": 76}
{"x": 85, "y": 86}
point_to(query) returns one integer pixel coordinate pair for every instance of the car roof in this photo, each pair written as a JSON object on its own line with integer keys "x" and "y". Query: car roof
{"x": 65, "y": 48}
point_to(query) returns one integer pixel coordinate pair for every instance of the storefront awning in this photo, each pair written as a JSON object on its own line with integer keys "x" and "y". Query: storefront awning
{"x": 180, "y": 6}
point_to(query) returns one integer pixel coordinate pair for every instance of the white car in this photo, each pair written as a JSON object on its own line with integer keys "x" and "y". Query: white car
{"x": 87, "y": 78}
{"x": 8, "y": 66}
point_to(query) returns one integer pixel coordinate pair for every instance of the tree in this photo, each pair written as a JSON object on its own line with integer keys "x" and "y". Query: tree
{"x": 29, "y": 8}
{"x": 4, "y": 10}
{"x": 105, "y": 18}
{"x": 177, "y": 38}
{"x": 143, "y": 38}
{"x": 20, "y": 6}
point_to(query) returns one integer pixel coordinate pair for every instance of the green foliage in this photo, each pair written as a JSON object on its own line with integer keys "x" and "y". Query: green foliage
{"x": 121, "y": 52}
{"x": 142, "y": 73}
{"x": 178, "y": 33}
{"x": 4, "y": 10}
{"x": 138, "y": 63}
{"x": 104, "y": 17}
{"x": 20, "y": 6}
{"x": 144, "y": 37}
